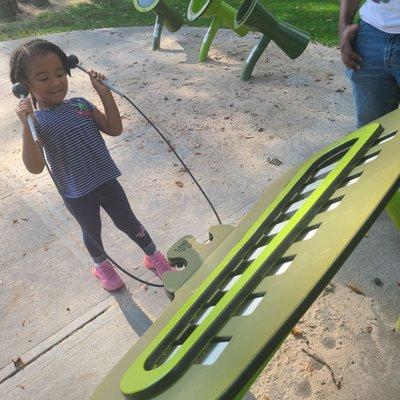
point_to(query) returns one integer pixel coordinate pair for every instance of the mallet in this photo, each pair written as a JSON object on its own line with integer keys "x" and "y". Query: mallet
{"x": 21, "y": 91}
{"x": 73, "y": 62}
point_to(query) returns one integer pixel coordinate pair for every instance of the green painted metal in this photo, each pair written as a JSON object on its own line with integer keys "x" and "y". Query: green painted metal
{"x": 293, "y": 41}
{"x": 165, "y": 16}
{"x": 189, "y": 253}
{"x": 223, "y": 15}
{"x": 253, "y": 57}
{"x": 393, "y": 209}
{"x": 258, "y": 282}
{"x": 143, "y": 375}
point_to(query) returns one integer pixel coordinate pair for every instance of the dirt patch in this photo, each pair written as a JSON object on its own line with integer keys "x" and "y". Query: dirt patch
{"x": 30, "y": 12}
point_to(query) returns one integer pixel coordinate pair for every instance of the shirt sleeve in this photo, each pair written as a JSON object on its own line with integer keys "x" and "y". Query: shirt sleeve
{"x": 37, "y": 127}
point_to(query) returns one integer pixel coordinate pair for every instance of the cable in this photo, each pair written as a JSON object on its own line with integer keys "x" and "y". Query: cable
{"x": 177, "y": 156}
{"x": 73, "y": 62}
{"x": 16, "y": 87}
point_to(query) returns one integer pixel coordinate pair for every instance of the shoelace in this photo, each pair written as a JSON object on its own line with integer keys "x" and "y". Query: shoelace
{"x": 159, "y": 262}
{"x": 108, "y": 271}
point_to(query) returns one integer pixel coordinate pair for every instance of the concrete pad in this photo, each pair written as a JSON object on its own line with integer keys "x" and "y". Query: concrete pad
{"x": 42, "y": 292}
{"x": 78, "y": 363}
{"x": 226, "y": 130}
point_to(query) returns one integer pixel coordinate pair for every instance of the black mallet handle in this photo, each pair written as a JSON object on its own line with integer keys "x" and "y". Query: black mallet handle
{"x": 73, "y": 62}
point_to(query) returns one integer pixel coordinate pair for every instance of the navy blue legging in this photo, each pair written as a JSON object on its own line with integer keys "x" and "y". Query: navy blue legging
{"x": 112, "y": 198}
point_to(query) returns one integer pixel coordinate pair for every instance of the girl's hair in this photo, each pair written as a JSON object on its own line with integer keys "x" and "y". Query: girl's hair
{"x": 23, "y": 54}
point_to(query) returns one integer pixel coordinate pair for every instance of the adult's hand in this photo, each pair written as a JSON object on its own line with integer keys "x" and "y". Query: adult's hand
{"x": 349, "y": 57}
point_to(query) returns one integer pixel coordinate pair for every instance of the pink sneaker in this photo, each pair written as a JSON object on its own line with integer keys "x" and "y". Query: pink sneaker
{"x": 157, "y": 263}
{"x": 108, "y": 277}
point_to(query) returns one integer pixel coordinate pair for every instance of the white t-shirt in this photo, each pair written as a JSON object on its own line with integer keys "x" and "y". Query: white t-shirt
{"x": 382, "y": 14}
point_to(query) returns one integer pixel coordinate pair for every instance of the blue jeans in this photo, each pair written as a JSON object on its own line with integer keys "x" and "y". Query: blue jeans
{"x": 376, "y": 90}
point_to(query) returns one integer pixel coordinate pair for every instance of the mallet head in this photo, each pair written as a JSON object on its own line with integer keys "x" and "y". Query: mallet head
{"x": 19, "y": 89}
{"x": 73, "y": 61}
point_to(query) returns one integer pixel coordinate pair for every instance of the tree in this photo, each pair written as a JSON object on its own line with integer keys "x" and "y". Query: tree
{"x": 10, "y": 7}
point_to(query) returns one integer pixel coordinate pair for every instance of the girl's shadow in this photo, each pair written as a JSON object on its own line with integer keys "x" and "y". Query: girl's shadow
{"x": 136, "y": 318}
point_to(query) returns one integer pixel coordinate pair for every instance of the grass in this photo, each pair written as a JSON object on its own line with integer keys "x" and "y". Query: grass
{"x": 318, "y": 18}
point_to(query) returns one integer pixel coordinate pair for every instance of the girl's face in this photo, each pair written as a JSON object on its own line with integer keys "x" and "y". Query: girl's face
{"x": 47, "y": 79}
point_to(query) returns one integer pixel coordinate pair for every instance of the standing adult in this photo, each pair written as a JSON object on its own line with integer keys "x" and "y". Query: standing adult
{"x": 371, "y": 53}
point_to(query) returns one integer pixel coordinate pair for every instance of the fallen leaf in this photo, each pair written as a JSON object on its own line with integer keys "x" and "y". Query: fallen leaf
{"x": 308, "y": 367}
{"x": 355, "y": 289}
{"x": 296, "y": 332}
{"x": 274, "y": 161}
{"x": 378, "y": 282}
{"x": 18, "y": 363}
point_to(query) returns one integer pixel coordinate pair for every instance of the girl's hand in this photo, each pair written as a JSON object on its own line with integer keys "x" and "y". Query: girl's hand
{"x": 23, "y": 109}
{"x": 96, "y": 77}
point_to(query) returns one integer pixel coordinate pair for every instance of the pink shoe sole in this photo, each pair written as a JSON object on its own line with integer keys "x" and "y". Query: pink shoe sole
{"x": 109, "y": 288}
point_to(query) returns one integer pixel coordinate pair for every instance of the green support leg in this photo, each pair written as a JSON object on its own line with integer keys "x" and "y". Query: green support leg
{"x": 157, "y": 32}
{"x": 253, "y": 57}
{"x": 212, "y": 30}
{"x": 393, "y": 209}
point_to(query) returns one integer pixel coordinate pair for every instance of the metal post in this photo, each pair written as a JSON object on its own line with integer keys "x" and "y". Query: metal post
{"x": 253, "y": 57}
{"x": 157, "y": 32}
{"x": 208, "y": 38}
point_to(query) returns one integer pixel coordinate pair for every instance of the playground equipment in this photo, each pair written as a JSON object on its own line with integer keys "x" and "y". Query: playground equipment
{"x": 165, "y": 16}
{"x": 291, "y": 40}
{"x": 241, "y": 294}
{"x": 223, "y": 15}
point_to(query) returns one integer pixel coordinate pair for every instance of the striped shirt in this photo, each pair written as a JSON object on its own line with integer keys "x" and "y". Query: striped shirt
{"x": 75, "y": 150}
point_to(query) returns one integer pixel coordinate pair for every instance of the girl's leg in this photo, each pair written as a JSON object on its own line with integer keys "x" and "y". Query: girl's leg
{"x": 87, "y": 213}
{"x": 116, "y": 204}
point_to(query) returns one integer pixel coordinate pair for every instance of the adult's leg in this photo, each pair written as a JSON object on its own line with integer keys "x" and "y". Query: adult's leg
{"x": 375, "y": 89}
{"x": 87, "y": 212}
{"x": 116, "y": 204}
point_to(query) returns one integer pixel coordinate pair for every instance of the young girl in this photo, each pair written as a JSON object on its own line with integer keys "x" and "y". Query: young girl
{"x": 84, "y": 172}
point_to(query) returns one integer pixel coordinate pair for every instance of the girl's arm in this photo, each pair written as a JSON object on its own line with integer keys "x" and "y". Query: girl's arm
{"x": 31, "y": 156}
{"x": 108, "y": 122}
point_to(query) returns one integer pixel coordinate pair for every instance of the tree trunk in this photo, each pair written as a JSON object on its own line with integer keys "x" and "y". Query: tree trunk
{"x": 10, "y": 7}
